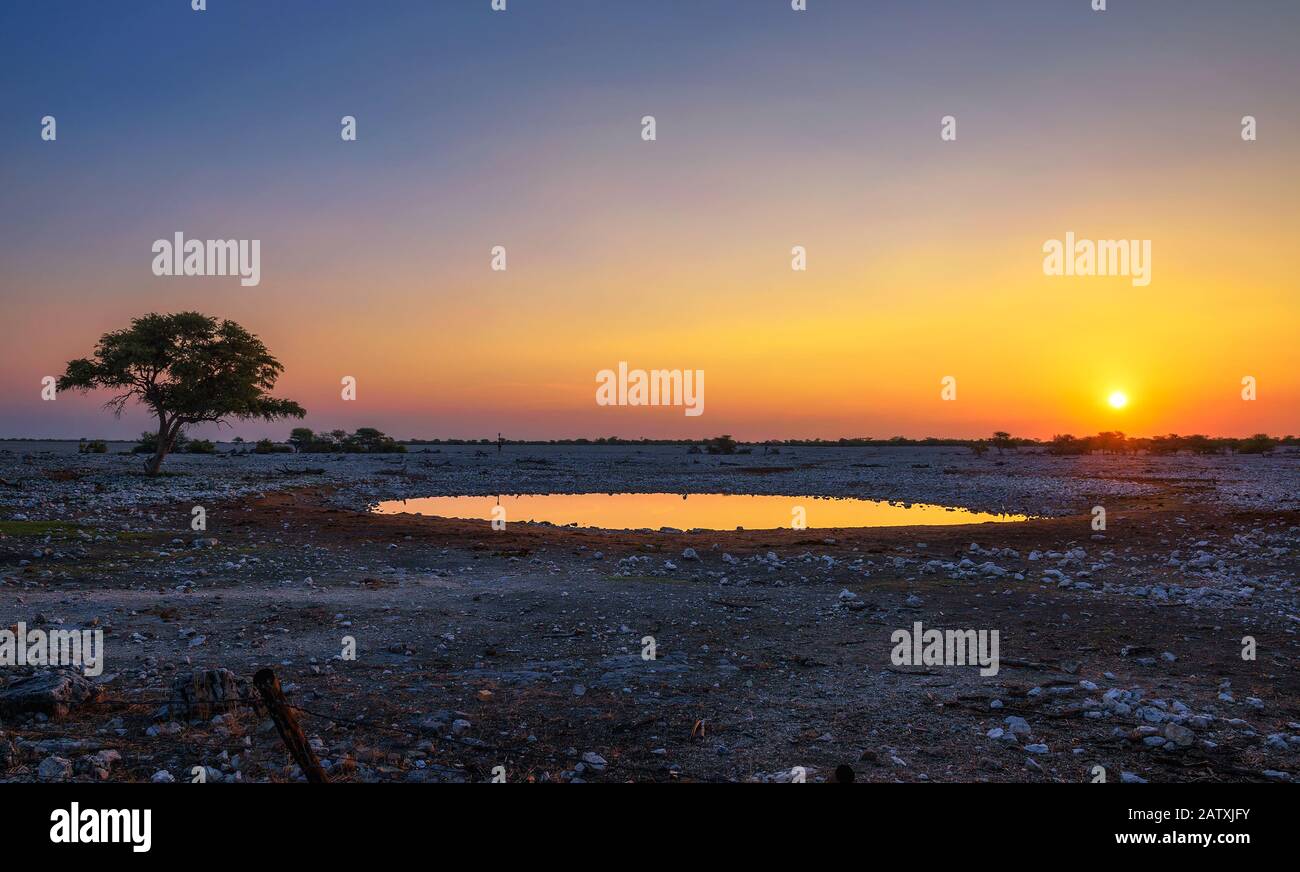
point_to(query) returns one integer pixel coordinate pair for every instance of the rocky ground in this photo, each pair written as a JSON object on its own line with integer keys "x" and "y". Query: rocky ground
{"x": 523, "y": 648}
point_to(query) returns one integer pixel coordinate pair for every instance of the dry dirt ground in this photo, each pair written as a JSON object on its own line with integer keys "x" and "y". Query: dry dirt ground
{"x": 523, "y": 648}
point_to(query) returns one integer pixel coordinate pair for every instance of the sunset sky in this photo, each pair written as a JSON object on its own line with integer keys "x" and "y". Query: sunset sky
{"x": 775, "y": 129}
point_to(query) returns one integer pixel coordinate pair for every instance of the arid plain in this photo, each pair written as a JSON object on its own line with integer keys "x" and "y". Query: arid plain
{"x": 523, "y": 648}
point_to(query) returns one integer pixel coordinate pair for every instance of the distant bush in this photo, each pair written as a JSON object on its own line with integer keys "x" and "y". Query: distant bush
{"x": 96, "y": 446}
{"x": 1171, "y": 444}
{"x": 200, "y": 446}
{"x": 1203, "y": 445}
{"x": 720, "y": 445}
{"x": 301, "y": 437}
{"x": 366, "y": 440}
{"x": 1065, "y": 445}
{"x": 1110, "y": 442}
{"x": 148, "y": 443}
{"x": 371, "y": 441}
{"x": 266, "y": 446}
{"x": 1260, "y": 443}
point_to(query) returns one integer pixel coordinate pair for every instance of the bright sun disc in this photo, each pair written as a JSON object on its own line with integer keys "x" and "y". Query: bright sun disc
{"x": 1118, "y": 400}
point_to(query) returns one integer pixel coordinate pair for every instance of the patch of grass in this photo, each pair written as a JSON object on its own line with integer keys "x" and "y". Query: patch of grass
{"x": 652, "y": 579}
{"x": 133, "y": 536}
{"x": 36, "y": 528}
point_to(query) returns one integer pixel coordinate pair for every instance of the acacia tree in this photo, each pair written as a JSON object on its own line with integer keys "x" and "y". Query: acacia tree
{"x": 189, "y": 368}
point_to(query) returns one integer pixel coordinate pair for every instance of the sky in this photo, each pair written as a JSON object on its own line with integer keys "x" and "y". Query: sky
{"x": 774, "y": 129}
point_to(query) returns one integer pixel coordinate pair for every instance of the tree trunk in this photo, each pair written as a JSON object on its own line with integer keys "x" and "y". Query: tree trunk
{"x": 160, "y": 449}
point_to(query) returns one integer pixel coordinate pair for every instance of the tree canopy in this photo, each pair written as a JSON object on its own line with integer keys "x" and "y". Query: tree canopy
{"x": 189, "y": 368}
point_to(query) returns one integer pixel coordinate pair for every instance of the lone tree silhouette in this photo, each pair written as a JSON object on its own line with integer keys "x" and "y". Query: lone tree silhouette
{"x": 189, "y": 368}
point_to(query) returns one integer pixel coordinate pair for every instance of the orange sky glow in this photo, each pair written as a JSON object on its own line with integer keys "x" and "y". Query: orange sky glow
{"x": 924, "y": 257}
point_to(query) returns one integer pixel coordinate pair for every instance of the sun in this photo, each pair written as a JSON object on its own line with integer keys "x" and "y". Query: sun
{"x": 1118, "y": 400}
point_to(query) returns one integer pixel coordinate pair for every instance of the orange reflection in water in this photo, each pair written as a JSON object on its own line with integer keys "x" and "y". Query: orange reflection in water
{"x": 692, "y": 511}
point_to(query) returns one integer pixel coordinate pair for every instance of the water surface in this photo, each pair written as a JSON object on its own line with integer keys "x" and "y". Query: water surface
{"x": 626, "y": 511}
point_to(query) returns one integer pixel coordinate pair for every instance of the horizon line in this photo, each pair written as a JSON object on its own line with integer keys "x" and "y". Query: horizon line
{"x": 1013, "y": 440}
